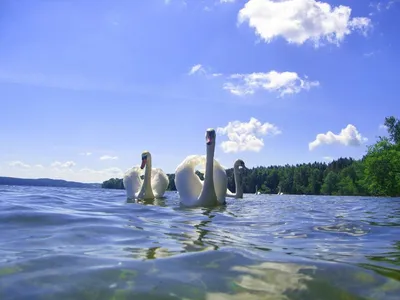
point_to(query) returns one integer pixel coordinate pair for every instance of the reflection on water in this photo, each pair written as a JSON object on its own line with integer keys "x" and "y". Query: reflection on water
{"x": 92, "y": 244}
{"x": 267, "y": 280}
{"x": 344, "y": 228}
{"x": 158, "y": 201}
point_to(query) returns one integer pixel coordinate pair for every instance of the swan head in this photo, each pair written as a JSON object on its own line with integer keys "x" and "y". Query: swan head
{"x": 240, "y": 163}
{"x": 210, "y": 137}
{"x": 145, "y": 156}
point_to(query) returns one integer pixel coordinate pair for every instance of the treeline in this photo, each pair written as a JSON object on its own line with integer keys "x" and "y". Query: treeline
{"x": 113, "y": 183}
{"x": 46, "y": 182}
{"x": 376, "y": 174}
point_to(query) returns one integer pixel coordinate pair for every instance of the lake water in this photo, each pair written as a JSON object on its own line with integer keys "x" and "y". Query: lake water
{"x": 61, "y": 243}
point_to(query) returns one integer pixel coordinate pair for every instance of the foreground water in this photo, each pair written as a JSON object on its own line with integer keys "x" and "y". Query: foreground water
{"x": 60, "y": 243}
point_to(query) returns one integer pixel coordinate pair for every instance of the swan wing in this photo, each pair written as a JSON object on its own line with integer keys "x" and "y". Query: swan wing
{"x": 230, "y": 194}
{"x": 187, "y": 183}
{"x": 159, "y": 182}
{"x": 132, "y": 181}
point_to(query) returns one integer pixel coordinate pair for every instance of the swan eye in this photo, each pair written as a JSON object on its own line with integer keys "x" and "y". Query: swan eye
{"x": 144, "y": 157}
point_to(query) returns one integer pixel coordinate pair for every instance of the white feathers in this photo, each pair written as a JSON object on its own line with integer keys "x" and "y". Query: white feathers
{"x": 133, "y": 183}
{"x": 189, "y": 185}
{"x": 159, "y": 182}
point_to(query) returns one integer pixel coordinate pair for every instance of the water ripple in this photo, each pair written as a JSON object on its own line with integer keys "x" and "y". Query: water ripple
{"x": 93, "y": 244}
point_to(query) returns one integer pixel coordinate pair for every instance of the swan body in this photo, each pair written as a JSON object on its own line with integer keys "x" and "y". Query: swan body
{"x": 212, "y": 190}
{"x": 154, "y": 184}
{"x": 238, "y": 182}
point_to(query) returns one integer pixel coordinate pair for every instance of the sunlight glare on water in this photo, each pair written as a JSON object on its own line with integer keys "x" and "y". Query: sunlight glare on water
{"x": 64, "y": 243}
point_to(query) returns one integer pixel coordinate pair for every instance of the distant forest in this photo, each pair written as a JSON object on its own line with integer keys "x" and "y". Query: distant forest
{"x": 377, "y": 173}
{"x": 46, "y": 182}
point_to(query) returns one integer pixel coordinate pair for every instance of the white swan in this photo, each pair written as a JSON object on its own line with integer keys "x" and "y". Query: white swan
{"x": 279, "y": 192}
{"x": 194, "y": 192}
{"x": 238, "y": 180}
{"x": 257, "y": 192}
{"x": 155, "y": 181}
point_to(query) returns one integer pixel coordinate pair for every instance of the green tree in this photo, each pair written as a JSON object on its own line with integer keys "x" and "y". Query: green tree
{"x": 382, "y": 169}
{"x": 393, "y": 127}
{"x": 113, "y": 183}
{"x": 330, "y": 184}
{"x": 315, "y": 182}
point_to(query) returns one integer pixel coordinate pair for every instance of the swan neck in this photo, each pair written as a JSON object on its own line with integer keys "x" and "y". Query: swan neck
{"x": 207, "y": 195}
{"x": 147, "y": 172}
{"x": 238, "y": 185}
{"x": 147, "y": 180}
{"x": 209, "y": 176}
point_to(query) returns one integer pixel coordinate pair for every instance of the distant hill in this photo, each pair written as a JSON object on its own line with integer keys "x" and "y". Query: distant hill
{"x": 46, "y": 182}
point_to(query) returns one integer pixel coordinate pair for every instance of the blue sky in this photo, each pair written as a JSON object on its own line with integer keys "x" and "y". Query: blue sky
{"x": 86, "y": 88}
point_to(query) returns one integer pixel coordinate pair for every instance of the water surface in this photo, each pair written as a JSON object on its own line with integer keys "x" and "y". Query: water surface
{"x": 63, "y": 243}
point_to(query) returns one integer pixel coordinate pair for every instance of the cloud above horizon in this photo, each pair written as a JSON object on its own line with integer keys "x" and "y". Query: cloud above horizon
{"x": 381, "y": 6}
{"x": 284, "y": 83}
{"x": 301, "y": 21}
{"x": 18, "y": 164}
{"x": 328, "y": 158}
{"x": 59, "y": 170}
{"x": 108, "y": 157}
{"x": 202, "y": 70}
{"x": 246, "y": 136}
{"x": 66, "y": 165}
{"x": 348, "y": 136}
{"x": 196, "y": 69}
{"x": 383, "y": 127}
{"x": 85, "y": 153}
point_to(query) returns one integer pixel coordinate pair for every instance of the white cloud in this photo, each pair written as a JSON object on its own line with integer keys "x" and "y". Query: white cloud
{"x": 381, "y": 6}
{"x": 66, "y": 165}
{"x": 181, "y": 2}
{"x": 299, "y": 21}
{"x": 196, "y": 69}
{"x": 105, "y": 173}
{"x": 283, "y": 83}
{"x": 86, "y": 153}
{"x": 382, "y": 127}
{"x": 216, "y": 74}
{"x": 391, "y": 3}
{"x": 244, "y": 136}
{"x": 18, "y": 164}
{"x": 369, "y": 54}
{"x": 227, "y": 1}
{"x": 59, "y": 170}
{"x": 200, "y": 69}
{"x": 273, "y": 81}
{"x": 328, "y": 158}
{"x": 348, "y": 136}
{"x": 108, "y": 157}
